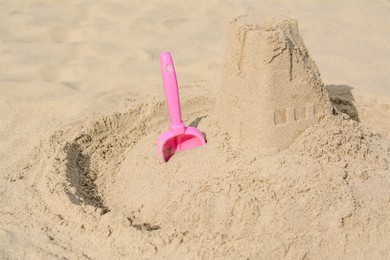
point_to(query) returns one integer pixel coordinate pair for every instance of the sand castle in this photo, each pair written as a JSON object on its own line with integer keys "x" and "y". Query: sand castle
{"x": 271, "y": 87}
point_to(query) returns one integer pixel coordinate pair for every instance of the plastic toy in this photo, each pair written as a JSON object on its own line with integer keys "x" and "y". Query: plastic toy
{"x": 179, "y": 137}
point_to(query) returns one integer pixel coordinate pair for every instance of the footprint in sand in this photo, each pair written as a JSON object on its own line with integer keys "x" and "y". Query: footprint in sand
{"x": 59, "y": 34}
{"x": 174, "y": 23}
{"x": 52, "y": 73}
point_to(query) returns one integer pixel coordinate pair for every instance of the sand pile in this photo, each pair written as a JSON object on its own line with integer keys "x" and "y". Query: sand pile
{"x": 270, "y": 86}
{"x": 97, "y": 189}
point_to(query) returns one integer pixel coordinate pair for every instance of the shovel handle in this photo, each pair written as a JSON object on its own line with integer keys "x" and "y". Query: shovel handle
{"x": 171, "y": 92}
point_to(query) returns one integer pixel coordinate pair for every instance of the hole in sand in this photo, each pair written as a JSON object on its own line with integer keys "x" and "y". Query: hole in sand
{"x": 94, "y": 157}
{"x": 81, "y": 178}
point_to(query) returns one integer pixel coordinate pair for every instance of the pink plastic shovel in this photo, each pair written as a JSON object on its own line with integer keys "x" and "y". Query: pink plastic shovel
{"x": 178, "y": 137}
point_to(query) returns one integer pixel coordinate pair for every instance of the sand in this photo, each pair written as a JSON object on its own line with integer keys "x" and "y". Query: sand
{"x": 270, "y": 84}
{"x": 82, "y": 106}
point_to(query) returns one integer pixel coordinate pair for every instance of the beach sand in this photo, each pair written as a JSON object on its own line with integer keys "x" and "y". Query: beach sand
{"x": 82, "y": 105}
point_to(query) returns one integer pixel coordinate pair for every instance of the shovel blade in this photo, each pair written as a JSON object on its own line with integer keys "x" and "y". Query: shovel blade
{"x": 168, "y": 143}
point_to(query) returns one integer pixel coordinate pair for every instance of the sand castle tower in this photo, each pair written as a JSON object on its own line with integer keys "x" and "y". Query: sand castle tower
{"x": 271, "y": 89}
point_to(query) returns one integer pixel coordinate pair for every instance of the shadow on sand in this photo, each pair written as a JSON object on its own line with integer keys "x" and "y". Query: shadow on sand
{"x": 343, "y": 100}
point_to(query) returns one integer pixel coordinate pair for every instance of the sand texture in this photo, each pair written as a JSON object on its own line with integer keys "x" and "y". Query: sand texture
{"x": 270, "y": 85}
{"x": 82, "y": 105}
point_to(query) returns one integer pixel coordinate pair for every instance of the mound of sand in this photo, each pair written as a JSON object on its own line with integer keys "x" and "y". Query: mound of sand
{"x": 101, "y": 181}
{"x": 270, "y": 85}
